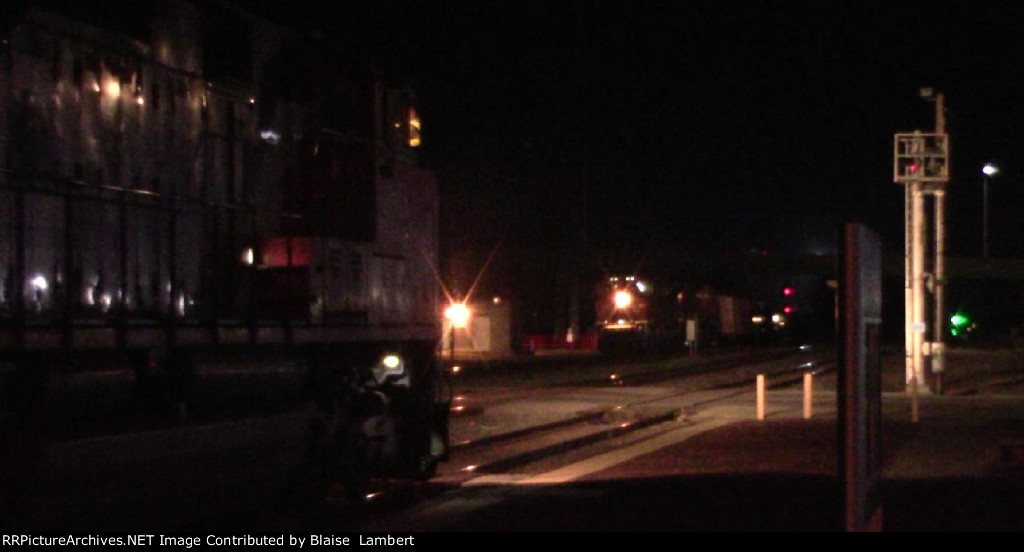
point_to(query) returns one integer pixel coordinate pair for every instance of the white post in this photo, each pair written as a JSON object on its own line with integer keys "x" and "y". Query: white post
{"x": 918, "y": 282}
{"x": 760, "y": 396}
{"x": 938, "y": 348}
{"x": 808, "y": 394}
{"x": 908, "y": 267}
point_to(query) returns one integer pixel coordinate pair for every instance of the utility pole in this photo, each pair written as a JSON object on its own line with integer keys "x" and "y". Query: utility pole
{"x": 938, "y": 347}
{"x": 921, "y": 164}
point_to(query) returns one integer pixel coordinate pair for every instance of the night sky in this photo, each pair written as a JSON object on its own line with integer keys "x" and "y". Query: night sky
{"x": 724, "y": 124}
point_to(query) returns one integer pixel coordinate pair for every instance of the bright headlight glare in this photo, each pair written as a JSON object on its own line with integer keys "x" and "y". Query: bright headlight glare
{"x": 622, "y": 299}
{"x": 391, "y": 361}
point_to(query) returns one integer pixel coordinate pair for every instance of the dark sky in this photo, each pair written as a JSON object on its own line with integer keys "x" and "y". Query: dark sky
{"x": 717, "y": 123}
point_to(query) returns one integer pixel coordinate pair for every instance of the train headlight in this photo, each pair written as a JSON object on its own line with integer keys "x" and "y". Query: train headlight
{"x": 391, "y": 362}
{"x": 390, "y": 368}
{"x": 622, "y": 299}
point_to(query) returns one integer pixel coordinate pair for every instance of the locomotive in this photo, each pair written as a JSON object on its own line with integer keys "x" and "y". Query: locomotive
{"x": 638, "y": 313}
{"x": 210, "y": 221}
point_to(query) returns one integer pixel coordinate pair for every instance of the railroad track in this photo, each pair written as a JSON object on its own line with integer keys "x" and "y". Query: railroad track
{"x": 623, "y": 419}
{"x": 513, "y": 447}
{"x": 628, "y": 400}
{"x": 639, "y": 403}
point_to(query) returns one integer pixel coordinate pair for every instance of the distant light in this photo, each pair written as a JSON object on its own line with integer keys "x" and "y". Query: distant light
{"x": 622, "y": 299}
{"x": 270, "y": 136}
{"x": 642, "y": 287}
{"x": 496, "y": 300}
{"x": 248, "y": 256}
{"x": 757, "y": 319}
{"x": 391, "y": 361}
{"x": 252, "y": 101}
{"x": 989, "y": 169}
{"x": 414, "y": 128}
{"x": 959, "y": 323}
{"x": 114, "y": 88}
{"x": 39, "y": 283}
{"x": 458, "y": 313}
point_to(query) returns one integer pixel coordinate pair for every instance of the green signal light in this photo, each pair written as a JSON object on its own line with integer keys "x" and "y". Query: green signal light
{"x": 958, "y": 322}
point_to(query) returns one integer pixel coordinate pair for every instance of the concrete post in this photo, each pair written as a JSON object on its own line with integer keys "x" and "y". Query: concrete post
{"x": 760, "y": 396}
{"x": 808, "y": 394}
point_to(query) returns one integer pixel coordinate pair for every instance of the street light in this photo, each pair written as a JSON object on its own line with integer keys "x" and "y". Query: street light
{"x": 457, "y": 315}
{"x": 989, "y": 170}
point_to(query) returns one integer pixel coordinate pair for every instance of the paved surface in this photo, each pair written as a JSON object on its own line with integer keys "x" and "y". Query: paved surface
{"x": 959, "y": 466}
{"x": 950, "y": 462}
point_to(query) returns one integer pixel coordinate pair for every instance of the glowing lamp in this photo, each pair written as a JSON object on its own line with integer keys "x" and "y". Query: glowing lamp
{"x": 458, "y": 314}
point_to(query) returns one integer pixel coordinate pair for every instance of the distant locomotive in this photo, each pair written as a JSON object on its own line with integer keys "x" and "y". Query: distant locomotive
{"x": 183, "y": 240}
{"x": 634, "y": 312}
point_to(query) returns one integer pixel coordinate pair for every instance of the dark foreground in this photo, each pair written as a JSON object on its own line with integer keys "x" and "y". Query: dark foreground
{"x": 753, "y": 476}
{"x": 727, "y": 502}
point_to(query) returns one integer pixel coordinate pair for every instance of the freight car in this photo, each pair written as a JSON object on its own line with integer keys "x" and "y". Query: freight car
{"x": 207, "y": 221}
{"x": 637, "y": 313}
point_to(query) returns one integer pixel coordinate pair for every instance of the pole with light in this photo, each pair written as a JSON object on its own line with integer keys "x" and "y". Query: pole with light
{"x": 989, "y": 170}
{"x": 921, "y": 164}
{"x": 457, "y": 315}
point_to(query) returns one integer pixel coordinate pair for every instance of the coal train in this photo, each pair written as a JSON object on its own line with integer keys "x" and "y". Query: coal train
{"x": 637, "y": 313}
{"x": 209, "y": 219}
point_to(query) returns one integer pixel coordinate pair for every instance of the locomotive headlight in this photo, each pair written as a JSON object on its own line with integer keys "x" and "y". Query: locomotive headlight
{"x": 622, "y": 299}
{"x": 391, "y": 362}
{"x": 391, "y": 368}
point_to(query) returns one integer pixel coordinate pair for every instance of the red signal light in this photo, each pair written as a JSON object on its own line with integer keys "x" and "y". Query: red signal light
{"x": 787, "y": 291}
{"x": 912, "y": 167}
{"x": 787, "y": 309}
